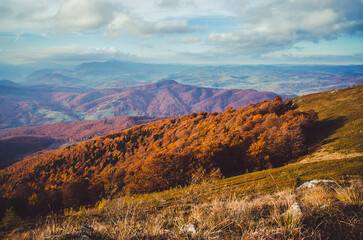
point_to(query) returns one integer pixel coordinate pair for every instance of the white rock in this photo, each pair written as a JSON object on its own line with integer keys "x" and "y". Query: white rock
{"x": 313, "y": 183}
{"x": 295, "y": 209}
{"x": 189, "y": 229}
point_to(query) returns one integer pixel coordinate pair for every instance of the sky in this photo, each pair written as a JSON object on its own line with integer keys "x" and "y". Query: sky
{"x": 182, "y": 31}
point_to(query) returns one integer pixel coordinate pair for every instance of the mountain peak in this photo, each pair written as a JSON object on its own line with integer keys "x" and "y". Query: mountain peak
{"x": 166, "y": 83}
{"x": 5, "y": 82}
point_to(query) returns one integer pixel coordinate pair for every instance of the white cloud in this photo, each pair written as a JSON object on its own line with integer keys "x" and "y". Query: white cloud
{"x": 276, "y": 25}
{"x": 111, "y": 16}
{"x": 80, "y": 15}
{"x": 125, "y": 23}
{"x": 27, "y": 16}
{"x": 185, "y": 40}
{"x": 319, "y": 19}
{"x": 190, "y": 39}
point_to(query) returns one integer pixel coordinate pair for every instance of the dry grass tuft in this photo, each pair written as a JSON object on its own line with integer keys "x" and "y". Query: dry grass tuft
{"x": 351, "y": 195}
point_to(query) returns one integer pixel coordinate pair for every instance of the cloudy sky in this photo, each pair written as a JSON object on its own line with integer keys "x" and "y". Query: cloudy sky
{"x": 182, "y": 31}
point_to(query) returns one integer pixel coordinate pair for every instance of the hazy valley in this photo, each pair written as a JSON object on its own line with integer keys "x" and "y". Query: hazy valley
{"x": 281, "y": 79}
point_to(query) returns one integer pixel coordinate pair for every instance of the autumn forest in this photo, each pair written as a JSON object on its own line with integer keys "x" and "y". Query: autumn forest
{"x": 157, "y": 156}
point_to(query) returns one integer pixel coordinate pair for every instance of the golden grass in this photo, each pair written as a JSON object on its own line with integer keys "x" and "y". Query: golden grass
{"x": 351, "y": 195}
{"x": 251, "y": 206}
{"x": 261, "y": 216}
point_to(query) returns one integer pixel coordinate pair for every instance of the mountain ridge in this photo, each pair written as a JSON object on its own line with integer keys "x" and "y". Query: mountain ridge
{"x": 37, "y": 105}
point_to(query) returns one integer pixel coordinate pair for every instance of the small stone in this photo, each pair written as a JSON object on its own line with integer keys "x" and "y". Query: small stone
{"x": 86, "y": 232}
{"x": 86, "y": 229}
{"x": 324, "y": 206}
{"x": 295, "y": 209}
{"x": 189, "y": 229}
{"x": 85, "y": 237}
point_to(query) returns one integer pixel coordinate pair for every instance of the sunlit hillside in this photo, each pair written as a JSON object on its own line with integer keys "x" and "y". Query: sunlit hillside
{"x": 255, "y": 205}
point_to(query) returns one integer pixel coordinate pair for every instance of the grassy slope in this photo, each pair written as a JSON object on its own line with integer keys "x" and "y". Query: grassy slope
{"x": 341, "y": 115}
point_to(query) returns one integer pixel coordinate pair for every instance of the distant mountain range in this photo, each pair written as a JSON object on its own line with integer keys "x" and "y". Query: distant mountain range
{"x": 45, "y": 104}
{"x": 110, "y": 74}
{"x": 282, "y": 79}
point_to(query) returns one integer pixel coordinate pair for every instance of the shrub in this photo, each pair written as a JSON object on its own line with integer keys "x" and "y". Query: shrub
{"x": 10, "y": 219}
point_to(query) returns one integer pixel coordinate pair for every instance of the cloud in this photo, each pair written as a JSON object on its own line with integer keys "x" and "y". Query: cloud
{"x": 5, "y": 12}
{"x": 185, "y": 40}
{"x": 278, "y": 25}
{"x": 168, "y": 3}
{"x": 146, "y": 45}
{"x": 80, "y": 15}
{"x": 26, "y": 16}
{"x": 234, "y": 29}
{"x": 110, "y": 16}
{"x": 67, "y": 54}
{"x": 125, "y": 23}
{"x": 18, "y": 36}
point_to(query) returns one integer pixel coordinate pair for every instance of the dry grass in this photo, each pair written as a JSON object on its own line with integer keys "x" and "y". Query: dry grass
{"x": 351, "y": 195}
{"x": 229, "y": 216}
{"x": 324, "y": 155}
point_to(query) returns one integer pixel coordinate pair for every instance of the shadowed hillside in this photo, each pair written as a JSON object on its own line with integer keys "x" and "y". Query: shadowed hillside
{"x": 13, "y": 149}
{"x": 340, "y": 128}
{"x": 15, "y": 143}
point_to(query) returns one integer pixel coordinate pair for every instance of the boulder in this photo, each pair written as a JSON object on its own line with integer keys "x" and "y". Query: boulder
{"x": 316, "y": 182}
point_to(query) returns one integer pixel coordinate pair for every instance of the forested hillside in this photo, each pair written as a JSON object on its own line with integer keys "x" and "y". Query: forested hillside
{"x": 160, "y": 155}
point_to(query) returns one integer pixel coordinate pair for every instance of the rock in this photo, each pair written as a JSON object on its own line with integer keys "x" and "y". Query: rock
{"x": 315, "y": 182}
{"x": 295, "y": 209}
{"x": 85, "y": 237}
{"x": 324, "y": 206}
{"x": 189, "y": 229}
{"x": 86, "y": 232}
{"x": 86, "y": 229}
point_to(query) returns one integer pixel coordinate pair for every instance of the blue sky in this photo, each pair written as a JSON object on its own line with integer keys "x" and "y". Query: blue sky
{"x": 182, "y": 31}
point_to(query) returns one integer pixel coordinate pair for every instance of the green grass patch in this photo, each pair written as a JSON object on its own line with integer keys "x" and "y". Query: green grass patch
{"x": 262, "y": 182}
{"x": 340, "y": 113}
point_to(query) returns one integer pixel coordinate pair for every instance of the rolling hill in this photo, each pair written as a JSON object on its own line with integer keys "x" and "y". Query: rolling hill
{"x": 38, "y": 105}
